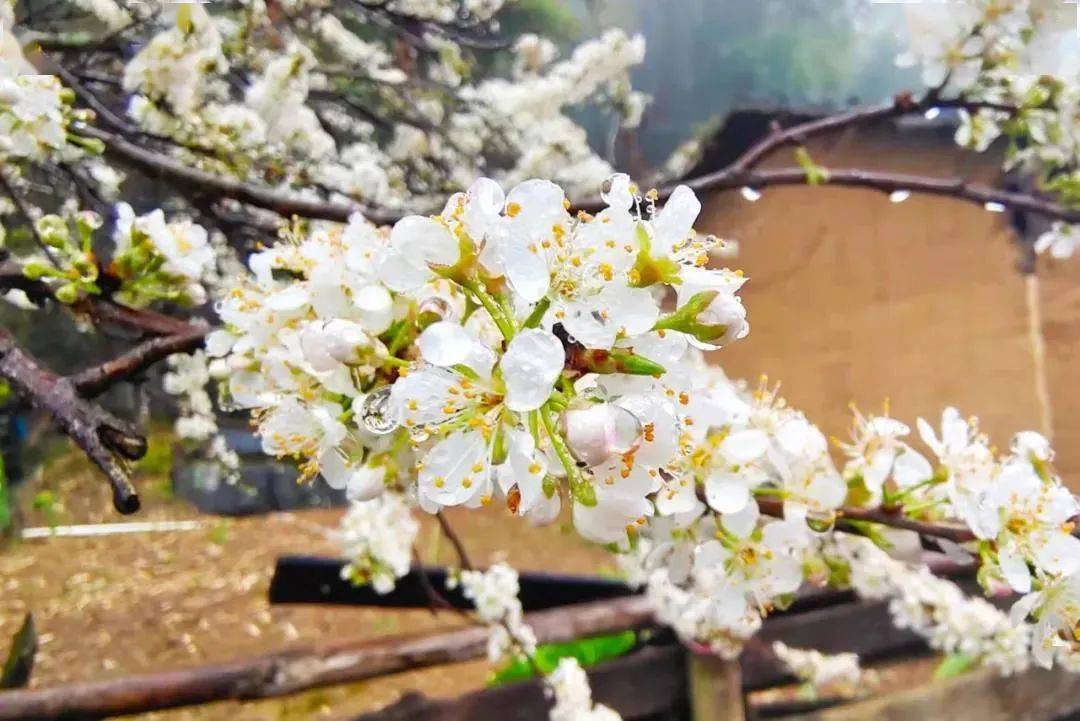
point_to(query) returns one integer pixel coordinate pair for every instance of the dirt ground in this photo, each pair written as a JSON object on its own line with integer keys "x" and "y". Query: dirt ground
{"x": 116, "y": 605}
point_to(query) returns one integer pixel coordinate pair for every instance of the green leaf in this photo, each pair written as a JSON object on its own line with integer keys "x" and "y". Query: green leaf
{"x": 815, "y": 174}
{"x": 587, "y": 651}
{"x": 952, "y": 666}
{"x": 20, "y": 659}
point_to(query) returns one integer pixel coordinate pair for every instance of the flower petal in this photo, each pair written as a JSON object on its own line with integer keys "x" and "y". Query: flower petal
{"x": 532, "y": 363}
{"x": 726, "y": 492}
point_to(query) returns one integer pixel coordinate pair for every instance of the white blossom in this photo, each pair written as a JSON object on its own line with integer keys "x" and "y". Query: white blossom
{"x": 377, "y": 536}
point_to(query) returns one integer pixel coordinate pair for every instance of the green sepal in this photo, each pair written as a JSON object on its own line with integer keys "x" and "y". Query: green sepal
{"x": 584, "y": 492}
{"x": 685, "y": 319}
{"x": 618, "y": 361}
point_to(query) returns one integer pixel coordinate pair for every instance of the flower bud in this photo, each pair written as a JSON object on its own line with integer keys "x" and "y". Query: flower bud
{"x": 67, "y": 293}
{"x": 325, "y": 345}
{"x": 728, "y": 311}
{"x": 597, "y": 433}
{"x": 35, "y": 270}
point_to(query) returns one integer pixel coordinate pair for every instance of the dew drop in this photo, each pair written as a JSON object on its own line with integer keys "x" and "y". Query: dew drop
{"x": 375, "y": 415}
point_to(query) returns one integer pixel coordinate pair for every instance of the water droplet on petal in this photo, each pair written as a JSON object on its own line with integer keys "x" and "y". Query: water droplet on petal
{"x": 375, "y": 415}
{"x": 433, "y": 309}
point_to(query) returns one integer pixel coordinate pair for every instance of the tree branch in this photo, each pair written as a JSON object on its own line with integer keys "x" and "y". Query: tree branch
{"x": 105, "y": 439}
{"x": 455, "y": 541}
{"x": 894, "y": 519}
{"x": 305, "y": 667}
{"x": 958, "y": 188}
{"x": 902, "y": 104}
{"x": 178, "y": 174}
{"x": 98, "y": 379}
{"x": 731, "y": 177}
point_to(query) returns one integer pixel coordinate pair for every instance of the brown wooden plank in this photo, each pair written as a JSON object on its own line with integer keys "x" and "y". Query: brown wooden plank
{"x": 305, "y": 667}
{"x": 644, "y": 684}
{"x": 980, "y": 696}
{"x": 864, "y": 627}
{"x": 715, "y": 689}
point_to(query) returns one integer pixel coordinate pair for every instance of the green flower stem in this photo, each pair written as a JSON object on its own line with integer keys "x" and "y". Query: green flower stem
{"x": 893, "y": 499}
{"x": 534, "y": 426}
{"x": 537, "y": 314}
{"x": 773, "y": 492}
{"x": 505, "y": 326}
{"x": 579, "y": 488}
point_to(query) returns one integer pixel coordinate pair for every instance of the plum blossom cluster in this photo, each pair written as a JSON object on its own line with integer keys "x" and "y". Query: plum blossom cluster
{"x": 938, "y": 610}
{"x": 504, "y": 348}
{"x": 494, "y": 593}
{"x": 1008, "y": 62}
{"x": 377, "y": 537}
{"x": 837, "y": 674}
{"x": 34, "y": 114}
{"x": 296, "y": 119}
{"x": 714, "y": 569}
{"x": 569, "y": 687}
{"x": 188, "y": 379}
{"x": 156, "y": 260}
{"x": 509, "y": 352}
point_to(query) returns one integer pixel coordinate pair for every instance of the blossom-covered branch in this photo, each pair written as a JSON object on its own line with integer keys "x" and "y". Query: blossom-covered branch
{"x": 511, "y": 349}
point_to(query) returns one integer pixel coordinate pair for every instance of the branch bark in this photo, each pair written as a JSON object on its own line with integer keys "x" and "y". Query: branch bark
{"x": 894, "y": 519}
{"x": 958, "y": 188}
{"x": 105, "y": 439}
{"x": 100, "y": 378}
{"x": 737, "y": 175}
{"x": 302, "y": 668}
{"x": 180, "y": 175}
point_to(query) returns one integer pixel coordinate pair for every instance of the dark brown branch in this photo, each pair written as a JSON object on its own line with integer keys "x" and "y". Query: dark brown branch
{"x": 798, "y": 134}
{"x": 183, "y": 176}
{"x": 143, "y": 320}
{"x": 302, "y": 668}
{"x": 894, "y": 519}
{"x": 98, "y": 379}
{"x": 455, "y": 541}
{"x": 902, "y": 104}
{"x": 105, "y": 439}
{"x": 101, "y": 311}
{"x": 958, "y": 188}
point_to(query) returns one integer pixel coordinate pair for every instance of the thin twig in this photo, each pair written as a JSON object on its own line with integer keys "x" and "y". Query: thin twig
{"x": 105, "y": 439}
{"x": 9, "y": 190}
{"x": 95, "y": 380}
{"x": 455, "y": 541}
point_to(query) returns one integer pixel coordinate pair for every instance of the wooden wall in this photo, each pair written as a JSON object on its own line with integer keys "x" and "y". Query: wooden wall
{"x": 852, "y": 298}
